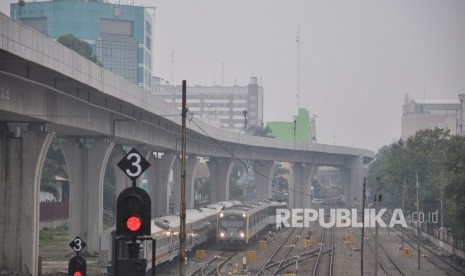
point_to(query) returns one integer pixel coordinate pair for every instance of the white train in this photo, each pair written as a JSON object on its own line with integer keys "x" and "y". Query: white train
{"x": 201, "y": 226}
{"x": 239, "y": 224}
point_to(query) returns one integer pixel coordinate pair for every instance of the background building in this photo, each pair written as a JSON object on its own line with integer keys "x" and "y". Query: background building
{"x": 219, "y": 105}
{"x": 429, "y": 115}
{"x": 120, "y": 35}
{"x": 303, "y": 128}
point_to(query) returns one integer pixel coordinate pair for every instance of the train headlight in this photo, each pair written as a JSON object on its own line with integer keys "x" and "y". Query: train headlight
{"x": 242, "y": 234}
{"x": 222, "y": 234}
{"x": 244, "y": 215}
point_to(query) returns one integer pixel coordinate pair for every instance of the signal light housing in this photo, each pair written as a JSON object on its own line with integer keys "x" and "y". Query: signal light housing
{"x": 77, "y": 266}
{"x": 133, "y": 208}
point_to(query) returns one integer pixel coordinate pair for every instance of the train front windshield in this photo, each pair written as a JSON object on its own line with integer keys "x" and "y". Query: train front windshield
{"x": 232, "y": 226}
{"x": 232, "y": 223}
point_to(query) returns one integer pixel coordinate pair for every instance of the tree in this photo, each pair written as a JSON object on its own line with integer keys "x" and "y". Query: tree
{"x": 236, "y": 192}
{"x": 55, "y": 165}
{"x": 79, "y": 46}
{"x": 262, "y": 131}
{"x": 439, "y": 160}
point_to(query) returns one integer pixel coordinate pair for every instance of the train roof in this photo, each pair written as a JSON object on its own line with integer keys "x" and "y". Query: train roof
{"x": 192, "y": 215}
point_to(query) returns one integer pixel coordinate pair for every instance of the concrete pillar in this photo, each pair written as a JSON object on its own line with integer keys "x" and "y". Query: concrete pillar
{"x": 158, "y": 180}
{"x": 220, "y": 171}
{"x": 86, "y": 160}
{"x": 191, "y": 166}
{"x": 121, "y": 179}
{"x": 147, "y": 154}
{"x": 302, "y": 183}
{"x": 353, "y": 181}
{"x": 263, "y": 178}
{"x": 176, "y": 185}
{"x": 21, "y": 163}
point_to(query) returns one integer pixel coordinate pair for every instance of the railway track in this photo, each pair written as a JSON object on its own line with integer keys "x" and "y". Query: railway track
{"x": 390, "y": 266}
{"x": 214, "y": 265}
{"x": 318, "y": 269}
{"x": 281, "y": 253}
{"x": 437, "y": 260}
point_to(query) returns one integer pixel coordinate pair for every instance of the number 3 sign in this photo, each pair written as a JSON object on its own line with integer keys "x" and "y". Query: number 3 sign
{"x": 133, "y": 164}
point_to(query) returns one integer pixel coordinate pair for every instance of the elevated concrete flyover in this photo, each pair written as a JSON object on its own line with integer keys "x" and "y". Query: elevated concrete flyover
{"x": 47, "y": 89}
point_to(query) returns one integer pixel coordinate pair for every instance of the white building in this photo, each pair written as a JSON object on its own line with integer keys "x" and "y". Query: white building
{"x": 221, "y": 106}
{"x": 429, "y": 115}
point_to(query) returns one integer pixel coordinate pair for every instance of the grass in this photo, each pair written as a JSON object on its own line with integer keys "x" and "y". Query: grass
{"x": 53, "y": 236}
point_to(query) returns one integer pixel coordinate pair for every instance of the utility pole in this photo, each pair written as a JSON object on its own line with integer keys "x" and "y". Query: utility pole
{"x": 418, "y": 224}
{"x": 182, "y": 228}
{"x": 377, "y": 226}
{"x": 363, "y": 225}
{"x": 404, "y": 187}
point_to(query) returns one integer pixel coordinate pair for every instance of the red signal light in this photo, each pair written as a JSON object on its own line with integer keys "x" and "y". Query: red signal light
{"x": 77, "y": 273}
{"x": 133, "y": 223}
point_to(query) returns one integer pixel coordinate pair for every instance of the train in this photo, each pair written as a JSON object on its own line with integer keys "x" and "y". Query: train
{"x": 240, "y": 224}
{"x": 201, "y": 226}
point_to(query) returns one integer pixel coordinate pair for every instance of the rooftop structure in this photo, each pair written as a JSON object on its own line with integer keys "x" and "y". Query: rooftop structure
{"x": 302, "y": 128}
{"x": 430, "y": 115}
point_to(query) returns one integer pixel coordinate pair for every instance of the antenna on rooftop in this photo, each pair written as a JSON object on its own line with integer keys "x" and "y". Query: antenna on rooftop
{"x": 172, "y": 67}
{"x": 222, "y": 74}
{"x": 298, "y": 66}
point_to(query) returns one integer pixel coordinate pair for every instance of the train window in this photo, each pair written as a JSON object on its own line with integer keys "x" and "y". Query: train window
{"x": 232, "y": 223}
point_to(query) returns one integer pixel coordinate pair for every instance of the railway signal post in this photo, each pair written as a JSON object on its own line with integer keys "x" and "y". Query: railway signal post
{"x": 77, "y": 266}
{"x": 133, "y": 216}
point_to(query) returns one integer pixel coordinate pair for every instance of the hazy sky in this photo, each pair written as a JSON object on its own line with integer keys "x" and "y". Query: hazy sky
{"x": 358, "y": 58}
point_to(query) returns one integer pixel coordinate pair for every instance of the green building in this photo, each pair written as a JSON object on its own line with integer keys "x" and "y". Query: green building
{"x": 120, "y": 35}
{"x": 301, "y": 129}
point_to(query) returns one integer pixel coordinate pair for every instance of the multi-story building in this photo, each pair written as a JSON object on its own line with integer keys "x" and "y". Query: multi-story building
{"x": 429, "y": 115}
{"x": 120, "y": 35}
{"x": 225, "y": 107}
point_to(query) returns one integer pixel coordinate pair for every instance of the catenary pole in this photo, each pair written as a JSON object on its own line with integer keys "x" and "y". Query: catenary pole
{"x": 403, "y": 210}
{"x": 377, "y": 226}
{"x": 418, "y": 224}
{"x": 363, "y": 225}
{"x": 182, "y": 228}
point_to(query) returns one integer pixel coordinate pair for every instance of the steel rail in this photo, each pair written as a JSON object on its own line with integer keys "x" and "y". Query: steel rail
{"x": 437, "y": 256}
{"x": 288, "y": 251}
{"x": 269, "y": 261}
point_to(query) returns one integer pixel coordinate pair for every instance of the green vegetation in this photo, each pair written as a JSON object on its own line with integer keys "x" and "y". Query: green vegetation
{"x": 236, "y": 192}
{"x": 109, "y": 190}
{"x": 280, "y": 183}
{"x": 79, "y": 46}
{"x": 439, "y": 160}
{"x": 53, "y": 236}
{"x": 202, "y": 186}
{"x": 55, "y": 165}
{"x": 262, "y": 131}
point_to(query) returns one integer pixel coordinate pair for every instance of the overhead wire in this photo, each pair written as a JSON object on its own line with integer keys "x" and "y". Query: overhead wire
{"x": 242, "y": 161}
